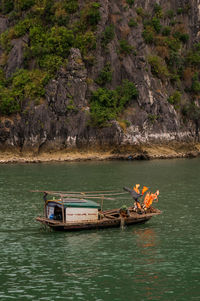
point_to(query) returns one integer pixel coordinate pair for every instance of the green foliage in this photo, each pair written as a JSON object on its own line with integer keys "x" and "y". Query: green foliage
{"x": 5, "y": 39}
{"x": 140, "y": 11}
{"x": 9, "y": 104}
{"x": 85, "y": 42}
{"x": 6, "y": 6}
{"x": 158, "y": 10}
{"x": 61, "y": 13}
{"x": 175, "y": 99}
{"x": 195, "y": 88}
{"x": 152, "y": 28}
{"x": 174, "y": 77}
{"x": 187, "y": 8}
{"x": 57, "y": 41}
{"x": 29, "y": 84}
{"x": 50, "y": 63}
{"x": 130, "y": 2}
{"x": 62, "y": 20}
{"x": 149, "y": 35}
{"x": 108, "y": 35}
{"x": 37, "y": 38}
{"x": 170, "y": 13}
{"x": 125, "y": 47}
{"x": 197, "y": 46}
{"x": 192, "y": 112}
{"x": 132, "y": 23}
{"x": 52, "y": 31}
{"x": 71, "y": 106}
{"x": 71, "y": 6}
{"x": 180, "y": 11}
{"x": 22, "y": 27}
{"x": 166, "y": 31}
{"x": 105, "y": 76}
{"x": 152, "y": 118}
{"x": 126, "y": 91}
{"x": 158, "y": 67}
{"x": 193, "y": 56}
{"x": 173, "y": 22}
{"x": 175, "y": 60}
{"x": 24, "y": 85}
{"x": 123, "y": 124}
{"x": 106, "y": 104}
{"x": 24, "y": 4}
{"x": 184, "y": 10}
{"x": 103, "y": 106}
{"x": 90, "y": 14}
{"x": 43, "y": 9}
{"x": 2, "y": 78}
{"x": 156, "y": 24}
{"x": 173, "y": 43}
{"x": 183, "y": 37}
{"x": 171, "y": 40}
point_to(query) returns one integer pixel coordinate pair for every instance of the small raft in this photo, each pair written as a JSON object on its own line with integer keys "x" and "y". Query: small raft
{"x": 73, "y": 211}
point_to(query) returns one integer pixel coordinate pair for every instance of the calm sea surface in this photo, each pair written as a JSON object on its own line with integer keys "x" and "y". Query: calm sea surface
{"x": 159, "y": 260}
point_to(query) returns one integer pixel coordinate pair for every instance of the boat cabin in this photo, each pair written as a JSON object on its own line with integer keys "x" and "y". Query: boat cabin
{"x": 71, "y": 210}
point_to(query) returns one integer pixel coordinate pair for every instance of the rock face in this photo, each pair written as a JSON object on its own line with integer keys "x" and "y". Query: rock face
{"x": 15, "y": 58}
{"x": 3, "y": 24}
{"x": 62, "y": 120}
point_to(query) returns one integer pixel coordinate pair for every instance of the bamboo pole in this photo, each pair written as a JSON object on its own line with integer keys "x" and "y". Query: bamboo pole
{"x": 80, "y": 192}
{"x": 90, "y": 195}
{"x": 63, "y": 209}
{"x": 102, "y": 203}
{"x": 45, "y": 211}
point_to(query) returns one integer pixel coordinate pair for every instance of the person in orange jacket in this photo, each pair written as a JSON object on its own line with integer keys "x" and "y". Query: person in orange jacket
{"x": 149, "y": 198}
{"x": 135, "y": 193}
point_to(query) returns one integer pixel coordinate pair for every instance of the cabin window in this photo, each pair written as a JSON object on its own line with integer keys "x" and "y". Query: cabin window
{"x": 58, "y": 213}
{"x": 54, "y": 213}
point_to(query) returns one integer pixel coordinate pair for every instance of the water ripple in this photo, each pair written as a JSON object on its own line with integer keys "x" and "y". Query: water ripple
{"x": 155, "y": 261}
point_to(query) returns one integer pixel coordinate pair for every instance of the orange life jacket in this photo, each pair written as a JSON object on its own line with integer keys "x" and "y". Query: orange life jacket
{"x": 144, "y": 189}
{"x": 136, "y": 188}
{"x": 149, "y": 198}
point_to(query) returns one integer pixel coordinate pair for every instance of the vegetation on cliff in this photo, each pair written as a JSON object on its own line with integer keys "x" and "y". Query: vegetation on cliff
{"x": 172, "y": 60}
{"x": 107, "y": 104}
{"x": 51, "y": 33}
{"x": 49, "y": 29}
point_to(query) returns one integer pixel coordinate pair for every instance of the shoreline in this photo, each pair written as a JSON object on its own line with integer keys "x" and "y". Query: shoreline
{"x": 144, "y": 152}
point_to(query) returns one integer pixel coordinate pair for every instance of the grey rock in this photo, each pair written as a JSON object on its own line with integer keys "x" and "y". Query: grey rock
{"x": 3, "y": 24}
{"x": 16, "y": 57}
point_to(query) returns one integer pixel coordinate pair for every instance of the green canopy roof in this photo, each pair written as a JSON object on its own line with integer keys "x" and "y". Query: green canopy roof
{"x": 74, "y": 203}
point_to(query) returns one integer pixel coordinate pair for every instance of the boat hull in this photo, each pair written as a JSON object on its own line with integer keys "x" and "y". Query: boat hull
{"x": 106, "y": 222}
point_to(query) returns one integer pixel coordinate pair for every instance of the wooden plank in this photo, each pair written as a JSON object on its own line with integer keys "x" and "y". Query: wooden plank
{"x": 111, "y": 211}
{"x": 109, "y": 216}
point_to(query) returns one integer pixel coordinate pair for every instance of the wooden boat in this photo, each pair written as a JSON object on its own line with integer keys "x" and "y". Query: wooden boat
{"x": 73, "y": 211}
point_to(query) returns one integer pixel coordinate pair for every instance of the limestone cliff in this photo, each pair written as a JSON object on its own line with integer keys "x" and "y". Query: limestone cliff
{"x": 141, "y": 32}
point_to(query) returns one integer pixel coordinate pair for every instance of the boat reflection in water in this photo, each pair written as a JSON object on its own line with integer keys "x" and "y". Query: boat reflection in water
{"x": 148, "y": 276}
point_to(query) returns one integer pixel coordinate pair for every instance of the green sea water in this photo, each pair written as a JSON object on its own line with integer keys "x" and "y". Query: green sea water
{"x": 159, "y": 260}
